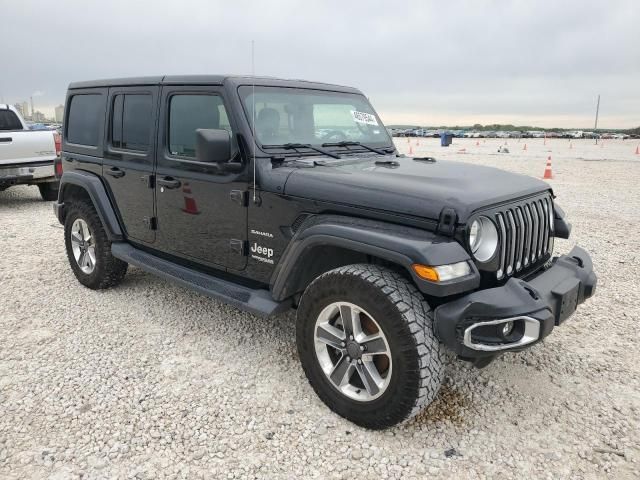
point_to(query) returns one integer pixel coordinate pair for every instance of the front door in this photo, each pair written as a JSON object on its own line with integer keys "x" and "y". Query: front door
{"x": 200, "y": 210}
{"x": 128, "y": 158}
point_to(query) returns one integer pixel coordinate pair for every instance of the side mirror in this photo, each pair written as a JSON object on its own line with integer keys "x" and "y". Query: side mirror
{"x": 213, "y": 145}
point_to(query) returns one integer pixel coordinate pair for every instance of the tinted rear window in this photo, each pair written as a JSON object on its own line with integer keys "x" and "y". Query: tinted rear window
{"x": 83, "y": 124}
{"x": 9, "y": 120}
{"x": 136, "y": 121}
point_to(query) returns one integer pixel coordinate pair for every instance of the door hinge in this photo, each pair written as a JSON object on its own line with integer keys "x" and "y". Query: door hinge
{"x": 240, "y": 197}
{"x": 239, "y": 247}
{"x": 149, "y": 180}
{"x": 151, "y": 222}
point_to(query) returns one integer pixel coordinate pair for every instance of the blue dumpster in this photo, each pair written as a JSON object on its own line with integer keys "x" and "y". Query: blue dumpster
{"x": 445, "y": 139}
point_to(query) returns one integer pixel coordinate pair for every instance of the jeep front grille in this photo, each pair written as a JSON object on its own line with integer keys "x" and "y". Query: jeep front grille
{"x": 525, "y": 235}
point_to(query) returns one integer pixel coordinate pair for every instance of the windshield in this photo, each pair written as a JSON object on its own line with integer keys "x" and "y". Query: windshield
{"x": 301, "y": 116}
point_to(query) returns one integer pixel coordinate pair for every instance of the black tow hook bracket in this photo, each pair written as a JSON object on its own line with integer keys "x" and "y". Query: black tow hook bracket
{"x": 530, "y": 291}
{"x": 578, "y": 261}
{"x": 447, "y": 222}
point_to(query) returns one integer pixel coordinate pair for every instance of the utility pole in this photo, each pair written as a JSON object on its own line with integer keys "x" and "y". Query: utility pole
{"x": 595, "y": 128}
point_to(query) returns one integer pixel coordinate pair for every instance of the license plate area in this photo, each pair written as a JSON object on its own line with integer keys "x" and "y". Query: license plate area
{"x": 565, "y": 295}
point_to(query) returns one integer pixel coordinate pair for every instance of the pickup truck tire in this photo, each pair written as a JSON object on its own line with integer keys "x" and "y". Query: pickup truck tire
{"x": 387, "y": 307}
{"x": 48, "y": 191}
{"x": 102, "y": 270}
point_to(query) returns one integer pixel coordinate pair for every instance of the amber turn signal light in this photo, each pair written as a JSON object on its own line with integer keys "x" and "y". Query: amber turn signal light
{"x": 425, "y": 272}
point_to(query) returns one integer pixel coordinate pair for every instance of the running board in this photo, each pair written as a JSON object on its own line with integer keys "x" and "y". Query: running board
{"x": 255, "y": 301}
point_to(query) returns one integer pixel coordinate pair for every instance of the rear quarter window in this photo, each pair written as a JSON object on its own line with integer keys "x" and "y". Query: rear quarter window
{"x": 84, "y": 121}
{"x": 9, "y": 121}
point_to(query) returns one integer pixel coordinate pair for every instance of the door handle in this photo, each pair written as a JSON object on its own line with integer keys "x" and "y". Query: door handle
{"x": 115, "y": 172}
{"x": 169, "y": 182}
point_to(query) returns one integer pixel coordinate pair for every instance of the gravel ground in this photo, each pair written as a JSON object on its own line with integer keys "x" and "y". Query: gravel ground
{"x": 148, "y": 380}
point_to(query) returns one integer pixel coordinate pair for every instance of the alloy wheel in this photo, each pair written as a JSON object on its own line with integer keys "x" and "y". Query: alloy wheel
{"x": 83, "y": 246}
{"x": 353, "y": 351}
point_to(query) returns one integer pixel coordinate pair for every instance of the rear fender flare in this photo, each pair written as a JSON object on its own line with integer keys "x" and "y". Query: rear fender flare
{"x": 95, "y": 189}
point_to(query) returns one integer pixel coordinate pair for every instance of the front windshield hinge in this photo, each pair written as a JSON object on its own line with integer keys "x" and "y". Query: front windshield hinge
{"x": 447, "y": 222}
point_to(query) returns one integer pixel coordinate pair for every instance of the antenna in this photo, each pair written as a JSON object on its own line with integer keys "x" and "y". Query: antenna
{"x": 253, "y": 115}
{"x": 595, "y": 128}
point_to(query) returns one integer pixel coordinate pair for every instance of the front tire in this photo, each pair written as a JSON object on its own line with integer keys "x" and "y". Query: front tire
{"x": 366, "y": 343}
{"x": 89, "y": 249}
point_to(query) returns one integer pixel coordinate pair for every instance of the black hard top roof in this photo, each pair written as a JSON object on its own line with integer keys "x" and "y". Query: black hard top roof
{"x": 210, "y": 80}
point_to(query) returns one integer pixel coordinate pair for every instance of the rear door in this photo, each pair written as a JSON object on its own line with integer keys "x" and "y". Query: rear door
{"x": 128, "y": 158}
{"x": 200, "y": 208}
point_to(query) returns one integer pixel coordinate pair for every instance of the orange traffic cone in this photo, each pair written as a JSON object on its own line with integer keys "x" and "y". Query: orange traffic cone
{"x": 410, "y": 150}
{"x": 547, "y": 171}
{"x": 525, "y": 147}
{"x": 638, "y": 150}
{"x": 189, "y": 202}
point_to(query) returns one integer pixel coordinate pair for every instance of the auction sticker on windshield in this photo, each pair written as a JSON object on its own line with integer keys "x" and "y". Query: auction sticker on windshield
{"x": 362, "y": 117}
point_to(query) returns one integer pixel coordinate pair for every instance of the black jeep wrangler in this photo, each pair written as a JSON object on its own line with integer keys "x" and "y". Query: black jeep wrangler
{"x": 277, "y": 194}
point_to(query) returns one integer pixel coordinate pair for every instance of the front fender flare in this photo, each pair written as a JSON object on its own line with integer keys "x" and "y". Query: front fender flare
{"x": 398, "y": 244}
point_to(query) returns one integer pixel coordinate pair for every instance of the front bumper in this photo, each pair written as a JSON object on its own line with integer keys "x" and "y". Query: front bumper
{"x": 472, "y": 326}
{"x": 17, "y": 174}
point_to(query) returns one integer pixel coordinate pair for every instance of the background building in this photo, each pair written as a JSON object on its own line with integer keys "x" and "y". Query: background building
{"x": 25, "y": 110}
{"x": 38, "y": 116}
{"x": 19, "y": 108}
{"x": 59, "y": 113}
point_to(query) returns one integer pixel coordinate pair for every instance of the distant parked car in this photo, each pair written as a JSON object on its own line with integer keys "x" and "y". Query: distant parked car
{"x": 27, "y": 156}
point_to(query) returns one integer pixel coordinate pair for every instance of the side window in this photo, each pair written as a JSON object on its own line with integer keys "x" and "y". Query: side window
{"x": 190, "y": 112}
{"x": 131, "y": 122}
{"x": 9, "y": 121}
{"x": 83, "y": 124}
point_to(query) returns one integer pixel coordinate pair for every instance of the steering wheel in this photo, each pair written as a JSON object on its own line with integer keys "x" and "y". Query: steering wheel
{"x": 334, "y": 136}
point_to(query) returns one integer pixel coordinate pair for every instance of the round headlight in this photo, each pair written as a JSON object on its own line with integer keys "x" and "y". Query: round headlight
{"x": 483, "y": 239}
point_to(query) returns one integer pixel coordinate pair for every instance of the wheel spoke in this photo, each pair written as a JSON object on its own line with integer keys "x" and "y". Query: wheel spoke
{"x": 374, "y": 345}
{"x": 370, "y": 377}
{"x": 330, "y": 335}
{"x": 75, "y": 237}
{"x": 91, "y": 256}
{"x": 82, "y": 260}
{"x": 340, "y": 373}
{"x": 350, "y": 320}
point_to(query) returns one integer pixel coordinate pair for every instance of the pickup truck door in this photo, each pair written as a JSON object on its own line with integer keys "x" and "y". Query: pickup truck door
{"x": 129, "y": 156}
{"x": 200, "y": 208}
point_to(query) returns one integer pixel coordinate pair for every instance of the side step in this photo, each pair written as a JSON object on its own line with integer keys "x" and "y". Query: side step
{"x": 248, "y": 299}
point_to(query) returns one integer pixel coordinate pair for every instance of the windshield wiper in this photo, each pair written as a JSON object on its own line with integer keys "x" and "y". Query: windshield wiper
{"x": 355, "y": 144}
{"x": 296, "y": 146}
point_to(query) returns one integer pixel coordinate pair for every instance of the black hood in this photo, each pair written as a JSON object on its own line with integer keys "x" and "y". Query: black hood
{"x": 412, "y": 187}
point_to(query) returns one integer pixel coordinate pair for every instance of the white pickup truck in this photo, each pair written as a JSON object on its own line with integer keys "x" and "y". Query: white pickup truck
{"x": 27, "y": 156}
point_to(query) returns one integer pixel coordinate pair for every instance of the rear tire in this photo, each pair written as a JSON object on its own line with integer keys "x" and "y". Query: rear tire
{"x": 89, "y": 249}
{"x": 48, "y": 191}
{"x": 389, "y": 307}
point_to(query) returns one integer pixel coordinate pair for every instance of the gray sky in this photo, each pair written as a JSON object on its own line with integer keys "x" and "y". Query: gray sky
{"x": 420, "y": 62}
